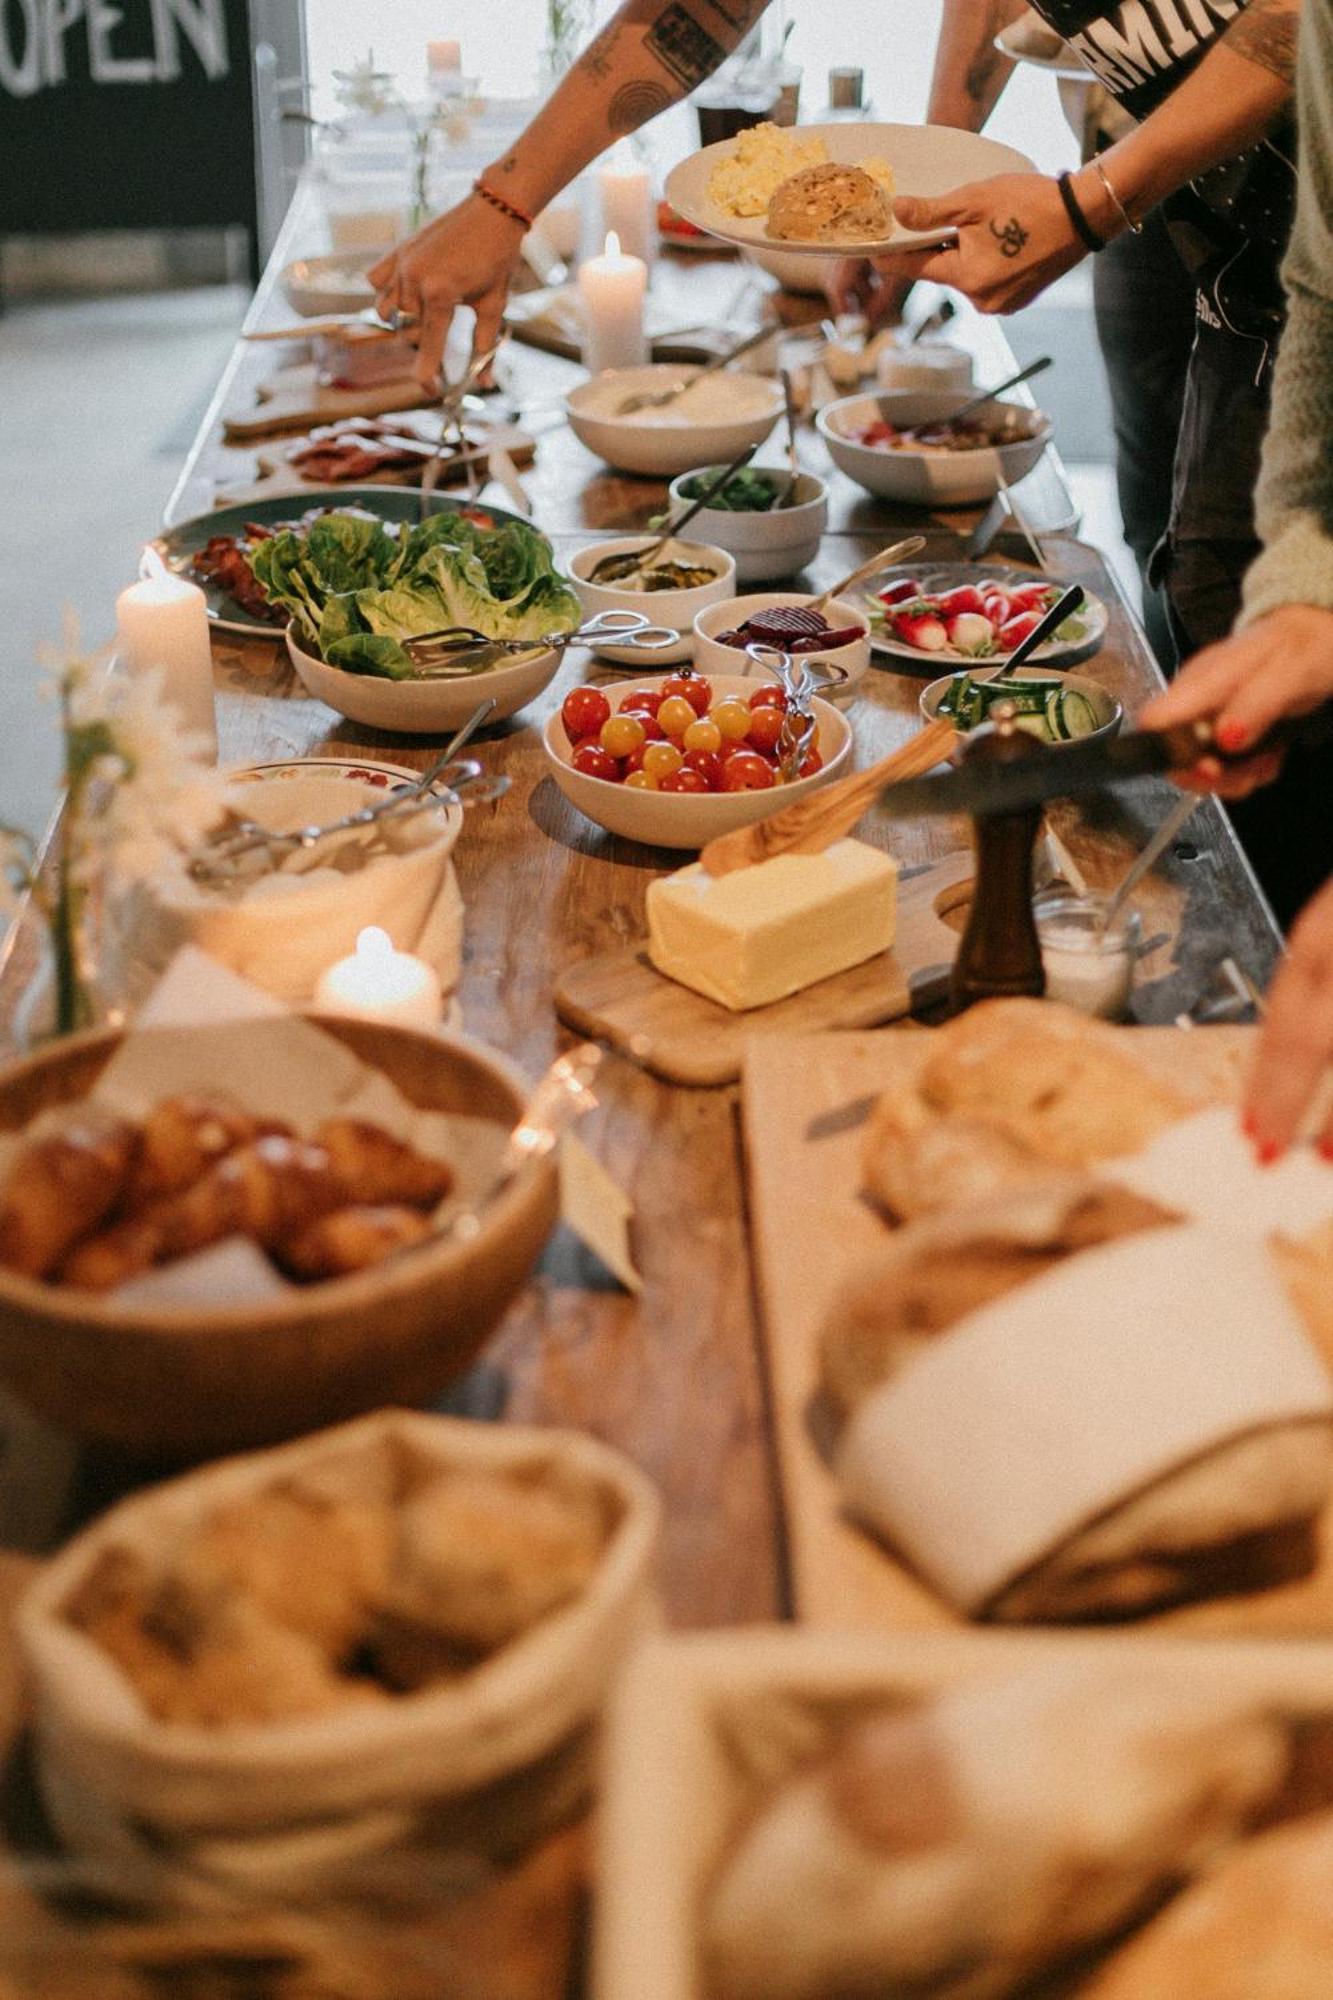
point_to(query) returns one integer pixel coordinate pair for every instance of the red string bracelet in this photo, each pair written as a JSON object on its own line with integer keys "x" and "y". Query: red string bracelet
{"x": 502, "y": 202}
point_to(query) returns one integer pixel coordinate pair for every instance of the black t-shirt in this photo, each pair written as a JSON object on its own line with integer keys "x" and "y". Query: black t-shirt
{"x": 1231, "y": 224}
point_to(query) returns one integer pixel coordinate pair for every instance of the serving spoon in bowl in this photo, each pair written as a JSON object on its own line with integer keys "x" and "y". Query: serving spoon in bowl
{"x": 657, "y": 399}
{"x": 620, "y": 567}
{"x": 980, "y": 399}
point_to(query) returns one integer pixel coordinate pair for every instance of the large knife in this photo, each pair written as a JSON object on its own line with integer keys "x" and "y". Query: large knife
{"x": 980, "y": 786}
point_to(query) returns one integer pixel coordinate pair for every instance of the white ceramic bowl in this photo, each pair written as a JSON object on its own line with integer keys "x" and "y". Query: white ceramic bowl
{"x": 422, "y": 708}
{"x": 778, "y": 543}
{"x": 846, "y": 664}
{"x": 682, "y": 819}
{"x": 930, "y": 478}
{"x": 1107, "y": 709}
{"x": 795, "y": 270}
{"x": 664, "y": 607}
{"x": 662, "y": 450}
{"x": 318, "y": 286}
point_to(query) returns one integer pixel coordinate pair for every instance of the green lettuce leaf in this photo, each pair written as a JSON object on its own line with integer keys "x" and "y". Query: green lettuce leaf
{"x": 371, "y": 653}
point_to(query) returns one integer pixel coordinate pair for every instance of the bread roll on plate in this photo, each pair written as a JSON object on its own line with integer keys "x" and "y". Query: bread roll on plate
{"x": 956, "y": 1849}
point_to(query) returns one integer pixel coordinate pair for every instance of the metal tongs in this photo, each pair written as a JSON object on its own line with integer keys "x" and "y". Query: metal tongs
{"x": 798, "y": 723}
{"x": 439, "y": 654}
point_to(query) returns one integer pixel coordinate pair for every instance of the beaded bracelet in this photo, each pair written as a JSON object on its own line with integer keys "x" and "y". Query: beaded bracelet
{"x": 1135, "y": 228}
{"x": 1078, "y": 221}
{"x": 502, "y": 202}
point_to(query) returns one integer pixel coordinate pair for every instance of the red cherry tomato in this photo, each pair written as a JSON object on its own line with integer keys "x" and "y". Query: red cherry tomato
{"x": 592, "y": 760}
{"x": 768, "y": 697}
{"x": 583, "y": 711}
{"x": 766, "y": 729}
{"x": 708, "y": 764}
{"x": 813, "y": 762}
{"x": 697, "y": 691}
{"x": 640, "y": 699}
{"x": 647, "y": 720}
{"x": 747, "y": 772}
{"x": 685, "y": 780}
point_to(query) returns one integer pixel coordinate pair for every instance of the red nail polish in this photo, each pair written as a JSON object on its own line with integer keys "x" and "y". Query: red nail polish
{"x": 1326, "y": 1147}
{"x": 1232, "y": 736}
{"x": 1266, "y": 1151}
{"x": 1249, "y": 1125}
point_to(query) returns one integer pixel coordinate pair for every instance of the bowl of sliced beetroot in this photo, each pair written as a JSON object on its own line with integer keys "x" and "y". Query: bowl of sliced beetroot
{"x": 959, "y": 613}
{"x": 834, "y": 643}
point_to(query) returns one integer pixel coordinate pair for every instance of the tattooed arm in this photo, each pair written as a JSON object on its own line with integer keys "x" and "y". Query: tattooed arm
{"x": 1014, "y": 236}
{"x": 650, "y": 54}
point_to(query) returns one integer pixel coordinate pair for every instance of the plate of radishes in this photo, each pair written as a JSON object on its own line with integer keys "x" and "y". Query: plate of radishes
{"x": 964, "y": 612}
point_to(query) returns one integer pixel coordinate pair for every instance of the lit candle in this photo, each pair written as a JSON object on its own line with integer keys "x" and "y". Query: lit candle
{"x": 444, "y": 56}
{"x": 611, "y": 290}
{"x": 625, "y": 190}
{"x": 379, "y": 983}
{"x": 162, "y": 621}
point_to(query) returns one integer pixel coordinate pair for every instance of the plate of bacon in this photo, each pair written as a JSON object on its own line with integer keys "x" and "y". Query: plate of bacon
{"x": 214, "y": 549}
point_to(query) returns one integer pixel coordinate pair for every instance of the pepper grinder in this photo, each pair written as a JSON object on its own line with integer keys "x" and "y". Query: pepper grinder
{"x": 1000, "y": 954}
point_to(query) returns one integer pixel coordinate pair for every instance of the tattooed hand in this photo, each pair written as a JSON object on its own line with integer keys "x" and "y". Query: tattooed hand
{"x": 1014, "y": 239}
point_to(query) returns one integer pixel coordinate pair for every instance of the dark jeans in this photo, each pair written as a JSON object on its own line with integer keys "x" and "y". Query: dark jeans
{"x": 1143, "y": 298}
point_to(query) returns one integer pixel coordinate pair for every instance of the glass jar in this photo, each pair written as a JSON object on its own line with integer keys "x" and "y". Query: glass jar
{"x": 1087, "y": 965}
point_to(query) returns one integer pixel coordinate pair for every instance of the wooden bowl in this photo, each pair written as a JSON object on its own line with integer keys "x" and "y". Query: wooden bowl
{"x": 182, "y": 1385}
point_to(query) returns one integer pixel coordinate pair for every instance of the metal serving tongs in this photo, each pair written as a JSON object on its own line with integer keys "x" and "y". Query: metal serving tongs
{"x": 438, "y": 654}
{"x": 451, "y": 425}
{"x": 798, "y": 722}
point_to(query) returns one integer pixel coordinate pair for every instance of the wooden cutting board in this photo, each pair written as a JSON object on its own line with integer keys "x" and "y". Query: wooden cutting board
{"x": 805, "y": 1099}
{"x": 293, "y": 399}
{"x": 277, "y": 475}
{"x": 618, "y": 997}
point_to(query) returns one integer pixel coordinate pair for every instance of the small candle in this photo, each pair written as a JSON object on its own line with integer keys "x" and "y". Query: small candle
{"x": 162, "y": 621}
{"x": 444, "y": 56}
{"x": 379, "y": 983}
{"x": 625, "y": 191}
{"x": 611, "y": 290}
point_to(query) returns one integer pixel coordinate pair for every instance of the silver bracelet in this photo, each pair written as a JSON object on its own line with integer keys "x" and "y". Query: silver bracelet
{"x": 1134, "y": 228}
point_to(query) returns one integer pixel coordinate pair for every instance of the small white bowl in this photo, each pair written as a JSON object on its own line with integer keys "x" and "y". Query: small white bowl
{"x": 795, "y": 270}
{"x": 422, "y": 708}
{"x": 778, "y": 543}
{"x": 683, "y": 819}
{"x": 662, "y": 450}
{"x": 931, "y": 478}
{"x": 844, "y": 664}
{"x": 663, "y": 607}
{"x": 1104, "y": 704}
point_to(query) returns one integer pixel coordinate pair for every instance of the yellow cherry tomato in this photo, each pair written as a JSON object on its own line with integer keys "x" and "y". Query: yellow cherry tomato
{"x": 642, "y": 781}
{"x": 676, "y": 715}
{"x": 703, "y": 735}
{"x": 661, "y": 759}
{"x": 621, "y": 735}
{"x": 732, "y": 717}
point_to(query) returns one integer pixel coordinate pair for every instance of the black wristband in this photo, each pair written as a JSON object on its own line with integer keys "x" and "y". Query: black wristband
{"x": 1078, "y": 221}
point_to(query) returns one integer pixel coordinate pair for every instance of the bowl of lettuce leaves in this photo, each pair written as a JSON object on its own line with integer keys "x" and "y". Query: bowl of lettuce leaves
{"x": 356, "y": 590}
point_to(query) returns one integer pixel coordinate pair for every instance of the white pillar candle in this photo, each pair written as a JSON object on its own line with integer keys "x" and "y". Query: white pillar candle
{"x": 379, "y": 983}
{"x": 162, "y": 621}
{"x": 625, "y": 191}
{"x": 444, "y": 56}
{"x": 611, "y": 292}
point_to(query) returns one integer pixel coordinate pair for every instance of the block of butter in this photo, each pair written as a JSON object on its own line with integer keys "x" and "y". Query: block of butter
{"x": 761, "y": 933}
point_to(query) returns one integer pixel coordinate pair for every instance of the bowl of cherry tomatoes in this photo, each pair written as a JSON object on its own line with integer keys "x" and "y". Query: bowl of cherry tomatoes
{"x": 676, "y": 762}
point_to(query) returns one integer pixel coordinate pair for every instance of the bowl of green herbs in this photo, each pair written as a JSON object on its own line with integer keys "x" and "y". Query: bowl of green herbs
{"x": 770, "y": 526}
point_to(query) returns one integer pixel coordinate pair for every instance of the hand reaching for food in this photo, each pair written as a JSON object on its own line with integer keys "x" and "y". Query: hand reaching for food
{"x": 463, "y": 258}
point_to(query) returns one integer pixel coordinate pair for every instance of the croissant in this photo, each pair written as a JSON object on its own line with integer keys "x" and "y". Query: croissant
{"x": 269, "y": 1191}
{"x": 181, "y": 1138}
{"x": 60, "y": 1188}
{"x": 379, "y": 1168}
{"x": 351, "y": 1239}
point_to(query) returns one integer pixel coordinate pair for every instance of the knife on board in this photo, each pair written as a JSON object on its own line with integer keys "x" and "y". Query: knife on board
{"x": 980, "y": 787}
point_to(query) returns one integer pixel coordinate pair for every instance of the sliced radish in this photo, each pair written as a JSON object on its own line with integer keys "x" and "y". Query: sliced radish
{"x": 1017, "y": 629}
{"x": 966, "y": 597}
{"x": 971, "y": 633}
{"x": 924, "y": 630}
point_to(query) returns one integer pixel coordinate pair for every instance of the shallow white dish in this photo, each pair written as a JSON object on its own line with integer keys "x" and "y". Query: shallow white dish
{"x": 422, "y": 708}
{"x": 778, "y": 543}
{"x": 926, "y": 160}
{"x": 317, "y": 286}
{"x": 1091, "y": 614}
{"x": 843, "y": 665}
{"x": 664, "y": 607}
{"x": 660, "y": 451}
{"x": 683, "y": 819}
{"x": 931, "y": 478}
{"x": 1103, "y": 701}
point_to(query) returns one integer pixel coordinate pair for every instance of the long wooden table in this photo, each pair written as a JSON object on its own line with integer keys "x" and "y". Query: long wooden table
{"x": 676, "y": 1377}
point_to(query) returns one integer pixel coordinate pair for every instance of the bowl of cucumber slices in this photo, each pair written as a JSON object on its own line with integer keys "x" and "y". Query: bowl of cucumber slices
{"x": 1056, "y": 707}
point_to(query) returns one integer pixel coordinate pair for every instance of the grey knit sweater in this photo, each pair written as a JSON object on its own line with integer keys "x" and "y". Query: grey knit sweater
{"x": 1295, "y": 494}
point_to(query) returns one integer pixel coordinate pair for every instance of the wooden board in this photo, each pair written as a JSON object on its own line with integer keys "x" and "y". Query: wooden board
{"x": 805, "y": 1100}
{"x": 294, "y": 399}
{"x": 277, "y": 474}
{"x": 618, "y": 996}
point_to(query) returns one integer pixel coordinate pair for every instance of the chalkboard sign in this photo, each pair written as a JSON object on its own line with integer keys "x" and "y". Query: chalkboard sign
{"x": 125, "y": 114}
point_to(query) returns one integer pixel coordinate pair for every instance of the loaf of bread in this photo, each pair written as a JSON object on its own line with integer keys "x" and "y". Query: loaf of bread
{"x": 957, "y": 1849}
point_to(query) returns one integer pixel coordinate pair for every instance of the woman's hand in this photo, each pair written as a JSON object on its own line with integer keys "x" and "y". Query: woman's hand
{"x": 463, "y": 258}
{"x": 1282, "y": 665}
{"x": 879, "y": 291}
{"x": 1014, "y": 239}
{"x": 1296, "y": 1044}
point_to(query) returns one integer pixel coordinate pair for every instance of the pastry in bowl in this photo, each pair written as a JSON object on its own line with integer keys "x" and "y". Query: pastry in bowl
{"x": 831, "y": 203}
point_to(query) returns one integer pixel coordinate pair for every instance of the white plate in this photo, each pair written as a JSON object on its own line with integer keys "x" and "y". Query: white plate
{"x": 926, "y": 160}
{"x": 948, "y": 576}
